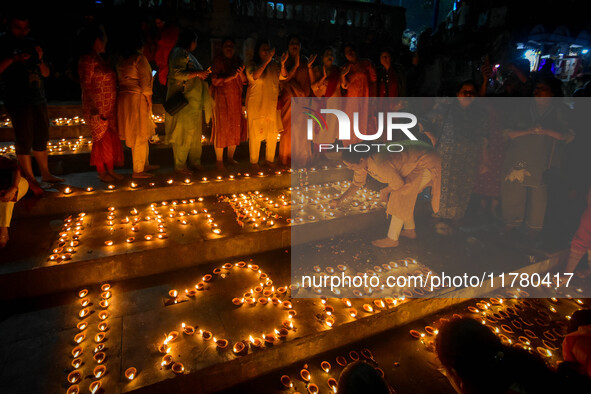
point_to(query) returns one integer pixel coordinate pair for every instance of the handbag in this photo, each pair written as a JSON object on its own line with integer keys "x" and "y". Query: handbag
{"x": 175, "y": 103}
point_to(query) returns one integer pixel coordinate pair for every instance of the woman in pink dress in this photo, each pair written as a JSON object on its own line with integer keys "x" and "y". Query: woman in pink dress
{"x": 227, "y": 81}
{"x": 99, "y": 94}
{"x": 359, "y": 80}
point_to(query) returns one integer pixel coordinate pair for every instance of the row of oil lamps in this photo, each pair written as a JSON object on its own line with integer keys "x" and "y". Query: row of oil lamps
{"x": 502, "y": 317}
{"x": 255, "y": 209}
{"x": 99, "y": 356}
{"x": 186, "y": 182}
{"x": 263, "y": 294}
{"x": 69, "y": 238}
{"x": 326, "y": 368}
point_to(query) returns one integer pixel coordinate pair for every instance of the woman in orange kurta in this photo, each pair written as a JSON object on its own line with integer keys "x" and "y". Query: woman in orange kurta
{"x": 227, "y": 77}
{"x": 359, "y": 80}
{"x": 406, "y": 173}
{"x": 99, "y": 99}
{"x": 296, "y": 73}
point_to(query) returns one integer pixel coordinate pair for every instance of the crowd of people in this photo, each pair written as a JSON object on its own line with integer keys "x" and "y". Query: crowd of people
{"x": 524, "y": 165}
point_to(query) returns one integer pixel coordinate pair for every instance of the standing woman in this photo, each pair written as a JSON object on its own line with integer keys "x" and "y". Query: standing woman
{"x": 99, "y": 103}
{"x": 326, "y": 83}
{"x": 261, "y": 103}
{"x": 134, "y": 105}
{"x": 359, "y": 80}
{"x": 461, "y": 145}
{"x": 296, "y": 72}
{"x": 184, "y": 129}
{"x": 227, "y": 79}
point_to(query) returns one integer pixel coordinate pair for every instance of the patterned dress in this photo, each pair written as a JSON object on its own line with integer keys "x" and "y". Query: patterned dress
{"x": 460, "y": 147}
{"x": 99, "y": 104}
{"x": 227, "y": 107}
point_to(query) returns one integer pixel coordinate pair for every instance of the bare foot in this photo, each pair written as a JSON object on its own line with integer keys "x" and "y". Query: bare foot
{"x": 36, "y": 189}
{"x": 52, "y": 179}
{"x": 197, "y": 167}
{"x": 141, "y": 175}
{"x": 185, "y": 171}
{"x": 3, "y": 236}
{"x": 105, "y": 177}
{"x": 412, "y": 234}
{"x": 219, "y": 165}
{"x": 385, "y": 243}
{"x": 232, "y": 161}
{"x": 270, "y": 164}
{"x": 119, "y": 177}
{"x": 255, "y": 167}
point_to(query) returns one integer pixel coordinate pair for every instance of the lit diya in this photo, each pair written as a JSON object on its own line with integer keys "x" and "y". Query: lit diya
{"x": 99, "y": 357}
{"x": 353, "y": 312}
{"x": 270, "y": 338}
{"x": 82, "y": 325}
{"x": 75, "y": 389}
{"x": 238, "y": 347}
{"x": 94, "y": 387}
{"x": 99, "y": 348}
{"x": 544, "y": 352}
{"x": 305, "y": 374}
{"x": 103, "y": 326}
{"x": 207, "y": 335}
{"x": 189, "y": 330}
{"x": 263, "y": 301}
{"x": 130, "y": 373}
{"x": 332, "y": 384}
{"x": 77, "y": 351}
{"x": 367, "y": 308}
{"x": 106, "y": 287}
{"x": 99, "y": 371}
{"x": 325, "y": 365}
{"x": 256, "y": 342}
{"x": 76, "y": 363}
{"x": 74, "y": 377}
{"x": 84, "y": 302}
{"x": 415, "y": 334}
{"x": 103, "y": 315}
{"x": 221, "y": 343}
{"x": 178, "y": 368}
{"x": 166, "y": 360}
{"x": 79, "y": 338}
{"x": 312, "y": 388}
{"x": 286, "y": 381}
{"x": 84, "y": 312}
{"x": 99, "y": 337}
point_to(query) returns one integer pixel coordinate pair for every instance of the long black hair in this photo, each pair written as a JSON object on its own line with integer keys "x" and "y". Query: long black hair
{"x": 186, "y": 38}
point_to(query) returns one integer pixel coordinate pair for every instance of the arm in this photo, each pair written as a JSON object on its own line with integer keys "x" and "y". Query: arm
{"x": 317, "y": 83}
{"x": 286, "y": 76}
{"x": 5, "y": 63}
{"x": 359, "y": 178}
{"x": 512, "y": 134}
{"x": 178, "y": 68}
{"x": 344, "y": 71}
{"x": 310, "y": 68}
{"x": 259, "y": 71}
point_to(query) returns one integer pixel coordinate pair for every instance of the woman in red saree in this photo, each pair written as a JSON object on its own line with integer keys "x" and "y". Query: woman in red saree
{"x": 295, "y": 83}
{"x": 99, "y": 94}
{"x": 227, "y": 81}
